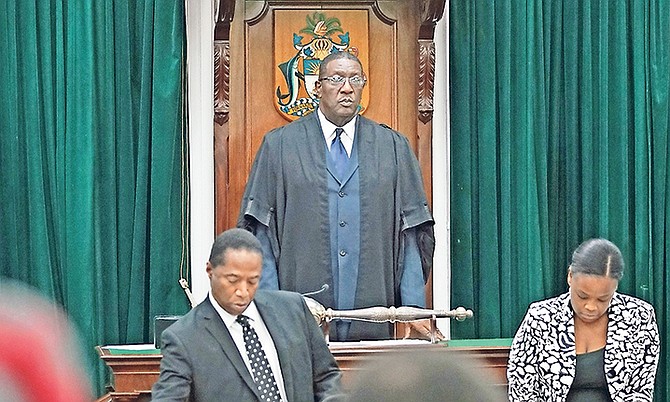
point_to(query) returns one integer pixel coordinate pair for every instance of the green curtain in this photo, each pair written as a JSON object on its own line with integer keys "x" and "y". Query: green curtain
{"x": 559, "y": 133}
{"x": 93, "y": 167}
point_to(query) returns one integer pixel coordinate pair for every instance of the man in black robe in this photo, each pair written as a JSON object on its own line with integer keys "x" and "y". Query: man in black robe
{"x": 364, "y": 229}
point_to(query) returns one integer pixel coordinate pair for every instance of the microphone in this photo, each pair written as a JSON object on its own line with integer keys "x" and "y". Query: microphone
{"x": 316, "y": 292}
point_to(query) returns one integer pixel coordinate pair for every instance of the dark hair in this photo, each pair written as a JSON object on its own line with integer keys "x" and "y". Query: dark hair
{"x": 598, "y": 257}
{"x": 233, "y": 239}
{"x": 337, "y": 56}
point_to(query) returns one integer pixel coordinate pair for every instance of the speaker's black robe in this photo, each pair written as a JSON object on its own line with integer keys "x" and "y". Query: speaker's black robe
{"x": 287, "y": 192}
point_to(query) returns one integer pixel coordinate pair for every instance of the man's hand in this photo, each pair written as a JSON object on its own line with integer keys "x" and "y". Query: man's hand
{"x": 422, "y": 329}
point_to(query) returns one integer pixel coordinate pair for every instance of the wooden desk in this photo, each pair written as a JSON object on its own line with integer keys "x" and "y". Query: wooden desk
{"x": 489, "y": 354}
{"x": 135, "y": 368}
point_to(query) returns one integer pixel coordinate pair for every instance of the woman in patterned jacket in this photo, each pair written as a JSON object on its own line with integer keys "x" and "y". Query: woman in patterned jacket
{"x": 589, "y": 344}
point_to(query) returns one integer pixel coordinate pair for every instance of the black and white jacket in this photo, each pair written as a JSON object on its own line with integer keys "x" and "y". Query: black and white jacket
{"x": 542, "y": 359}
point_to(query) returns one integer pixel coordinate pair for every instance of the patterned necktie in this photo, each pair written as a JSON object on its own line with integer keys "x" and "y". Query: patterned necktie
{"x": 338, "y": 153}
{"x": 260, "y": 367}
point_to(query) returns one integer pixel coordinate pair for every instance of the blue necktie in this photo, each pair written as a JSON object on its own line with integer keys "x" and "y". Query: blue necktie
{"x": 338, "y": 153}
{"x": 262, "y": 373}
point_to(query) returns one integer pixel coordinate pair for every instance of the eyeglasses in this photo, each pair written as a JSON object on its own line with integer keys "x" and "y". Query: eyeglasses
{"x": 337, "y": 81}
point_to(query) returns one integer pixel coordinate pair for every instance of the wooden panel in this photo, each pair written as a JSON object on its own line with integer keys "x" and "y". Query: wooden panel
{"x": 393, "y": 71}
{"x": 401, "y": 72}
{"x": 352, "y": 358}
{"x": 133, "y": 375}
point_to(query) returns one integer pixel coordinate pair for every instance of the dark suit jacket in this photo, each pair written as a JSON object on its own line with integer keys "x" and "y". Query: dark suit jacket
{"x": 201, "y": 362}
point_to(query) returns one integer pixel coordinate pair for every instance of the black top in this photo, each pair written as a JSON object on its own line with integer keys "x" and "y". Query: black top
{"x": 590, "y": 384}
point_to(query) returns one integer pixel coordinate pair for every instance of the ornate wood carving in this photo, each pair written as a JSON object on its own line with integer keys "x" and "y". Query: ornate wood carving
{"x": 432, "y": 12}
{"x": 221, "y": 81}
{"x": 225, "y": 10}
{"x": 255, "y": 10}
{"x": 426, "y": 80}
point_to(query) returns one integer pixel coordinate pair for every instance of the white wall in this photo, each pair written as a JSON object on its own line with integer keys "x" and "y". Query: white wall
{"x": 441, "y": 173}
{"x": 200, "y": 60}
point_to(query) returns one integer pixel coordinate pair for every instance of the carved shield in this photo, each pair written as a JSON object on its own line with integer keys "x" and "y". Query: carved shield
{"x": 302, "y": 38}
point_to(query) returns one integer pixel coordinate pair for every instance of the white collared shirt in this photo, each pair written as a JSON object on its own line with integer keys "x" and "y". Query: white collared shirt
{"x": 264, "y": 337}
{"x": 347, "y": 136}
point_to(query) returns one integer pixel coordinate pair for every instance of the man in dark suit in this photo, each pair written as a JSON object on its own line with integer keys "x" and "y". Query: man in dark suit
{"x": 208, "y": 356}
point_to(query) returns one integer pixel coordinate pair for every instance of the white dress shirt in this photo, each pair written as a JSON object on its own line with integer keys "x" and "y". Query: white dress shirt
{"x": 264, "y": 337}
{"x": 347, "y": 136}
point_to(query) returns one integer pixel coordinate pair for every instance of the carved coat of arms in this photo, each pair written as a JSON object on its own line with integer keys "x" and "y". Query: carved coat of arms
{"x": 322, "y": 35}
